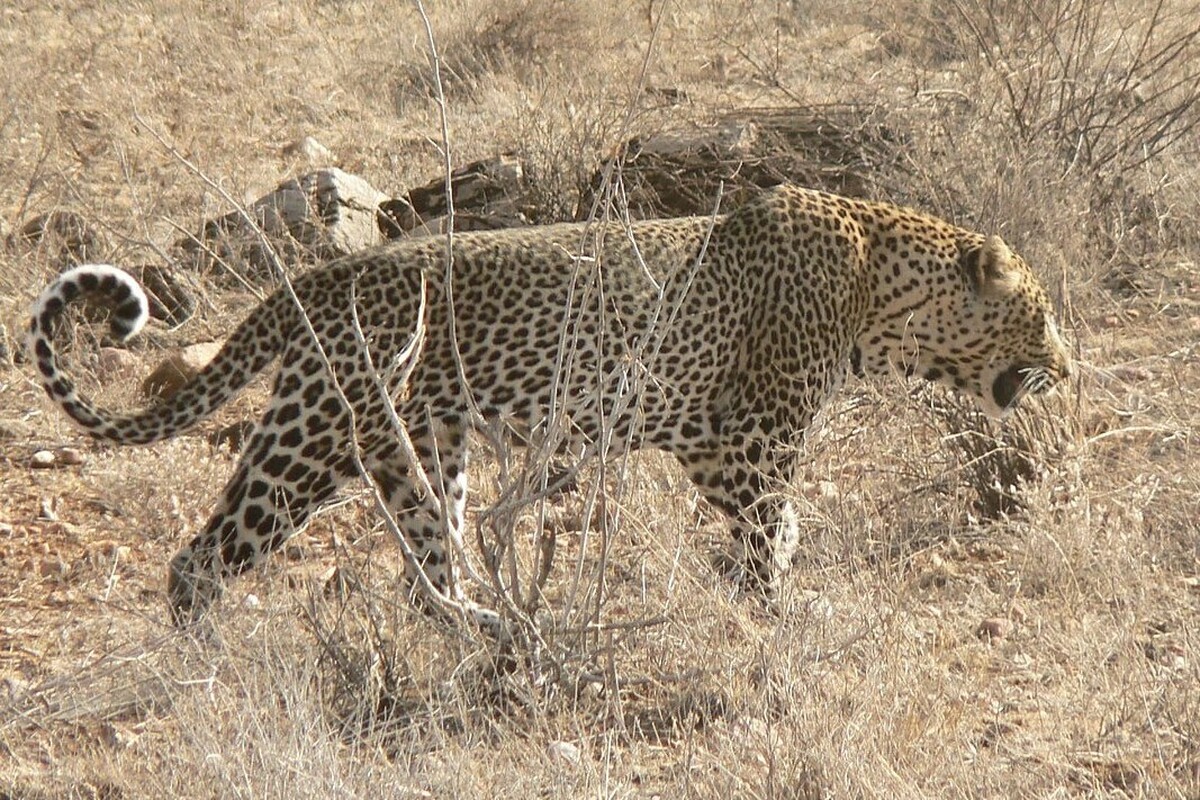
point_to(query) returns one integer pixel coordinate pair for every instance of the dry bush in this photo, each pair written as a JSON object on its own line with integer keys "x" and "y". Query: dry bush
{"x": 524, "y": 41}
{"x": 562, "y": 139}
{"x": 1083, "y": 99}
{"x": 999, "y": 461}
{"x": 1108, "y": 89}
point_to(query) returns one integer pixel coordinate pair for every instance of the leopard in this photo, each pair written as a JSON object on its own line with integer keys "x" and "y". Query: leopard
{"x": 719, "y": 339}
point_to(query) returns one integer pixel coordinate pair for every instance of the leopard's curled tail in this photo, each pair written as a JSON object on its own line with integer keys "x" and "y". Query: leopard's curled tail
{"x": 248, "y": 351}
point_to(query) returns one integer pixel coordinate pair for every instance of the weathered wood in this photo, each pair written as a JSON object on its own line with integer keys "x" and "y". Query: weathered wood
{"x": 486, "y": 196}
{"x": 681, "y": 172}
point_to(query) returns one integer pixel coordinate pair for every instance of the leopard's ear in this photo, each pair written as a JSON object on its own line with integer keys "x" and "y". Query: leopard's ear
{"x": 990, "y": 269}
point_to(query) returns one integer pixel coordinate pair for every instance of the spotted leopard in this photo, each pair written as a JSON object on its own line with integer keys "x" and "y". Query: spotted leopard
{"x": 717, "y": 339}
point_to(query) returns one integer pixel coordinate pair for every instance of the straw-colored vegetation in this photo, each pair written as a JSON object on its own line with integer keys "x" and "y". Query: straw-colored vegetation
{"x": 977, "y": 610}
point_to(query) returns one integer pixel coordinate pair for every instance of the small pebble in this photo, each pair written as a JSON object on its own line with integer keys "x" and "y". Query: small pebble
{"x": 113, "y": 362}
{"x": 47, "y": 510}
{"x": 111, "y": 549}
{"x": 563, "y": 753}
{"x": 994, "y": 629}
{"x": 53, "y": 567}
{"x": 13, "y": 688}
{"x": 42, "y": 459}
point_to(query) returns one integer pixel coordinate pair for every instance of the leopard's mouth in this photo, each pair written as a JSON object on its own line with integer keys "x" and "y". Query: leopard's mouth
{"x": 1017, "y": 381}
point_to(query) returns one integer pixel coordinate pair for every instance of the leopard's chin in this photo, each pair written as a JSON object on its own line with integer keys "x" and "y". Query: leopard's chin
{"x": 1006, "y": 388}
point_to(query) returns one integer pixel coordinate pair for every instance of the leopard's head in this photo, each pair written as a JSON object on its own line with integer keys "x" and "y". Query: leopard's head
{"x": 1010, "y": 344}
{"x": 981, "y": 323}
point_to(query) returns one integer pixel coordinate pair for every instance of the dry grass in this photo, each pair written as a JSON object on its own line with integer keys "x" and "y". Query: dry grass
{"x": 874, "y": 678}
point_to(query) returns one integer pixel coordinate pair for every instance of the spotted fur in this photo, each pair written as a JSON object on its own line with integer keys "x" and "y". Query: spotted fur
{"x": 716, "y": 339}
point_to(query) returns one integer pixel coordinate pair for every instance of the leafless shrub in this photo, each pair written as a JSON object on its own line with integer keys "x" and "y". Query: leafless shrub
{"x": 562, "y": 141}
{"x": 1108, "y": 90}
{"x": 840, "y": 148}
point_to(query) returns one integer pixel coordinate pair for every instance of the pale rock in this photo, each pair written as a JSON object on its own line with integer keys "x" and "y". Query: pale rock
{"x": 563, "y": 753}
{"x": 110, "y": 549}
{"x": 13, "y": 688}
{"x": 48, "y": 509}
{"x": 52, "y": 567}
{"x": 316, "y": 217}
{"x": 232, "y": 436}
{"x": 6, "y": 349}
{"x": 1131, "y": 374}
{"x": 42, "y": 459}
{"x": 178, "y": 368}
{"x": 119, "y": 736}
{"x": 14, "y": 429}
{"x": 330, "y": 211}
{"x": 310, "y": 149}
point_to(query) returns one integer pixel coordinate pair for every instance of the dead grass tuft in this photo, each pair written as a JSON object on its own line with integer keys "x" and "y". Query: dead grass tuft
{"x": 1000, "y": 461}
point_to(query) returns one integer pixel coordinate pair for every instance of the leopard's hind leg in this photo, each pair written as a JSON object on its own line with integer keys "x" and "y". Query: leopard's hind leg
{"x": 297, "y": 458}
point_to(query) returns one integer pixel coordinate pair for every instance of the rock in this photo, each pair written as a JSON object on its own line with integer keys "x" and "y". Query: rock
{"x": 1131, "y": 374}
{"x": 66, "y": 237}
{"x": 563, "y": 754}
{"x": 337, "y": 584}
{"x": 328, "y": 210}
{"x": 13, "y": 688}
{"x": 47, "y": 509}
{"x": 52, "y": 567}
{"x": 251, "y": 602}
{"x": 936, "y": 572}
{"x": 14, "y": 429}
{"x": 70, "y": 457}
{"x": 823, "y": 493}
{"x": 42, "y": 459}
{"x": 117, "y": 737}
{"x": 6, "y": 349}
{"x": 438, "y": 226}
{"x": 308, "y": 148}
{"x": 817, "y": 604}
{"x": 232, "y": 436}
{"x": 321, "y": 215}
{"x": 113, "y": 363}
{"x": 563, "y": 519}
{"x": 109, "y": 549}
{"x": 994, "y": 629}
{"x": 668, "y": 95}
{"x": 179, "y": 368}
